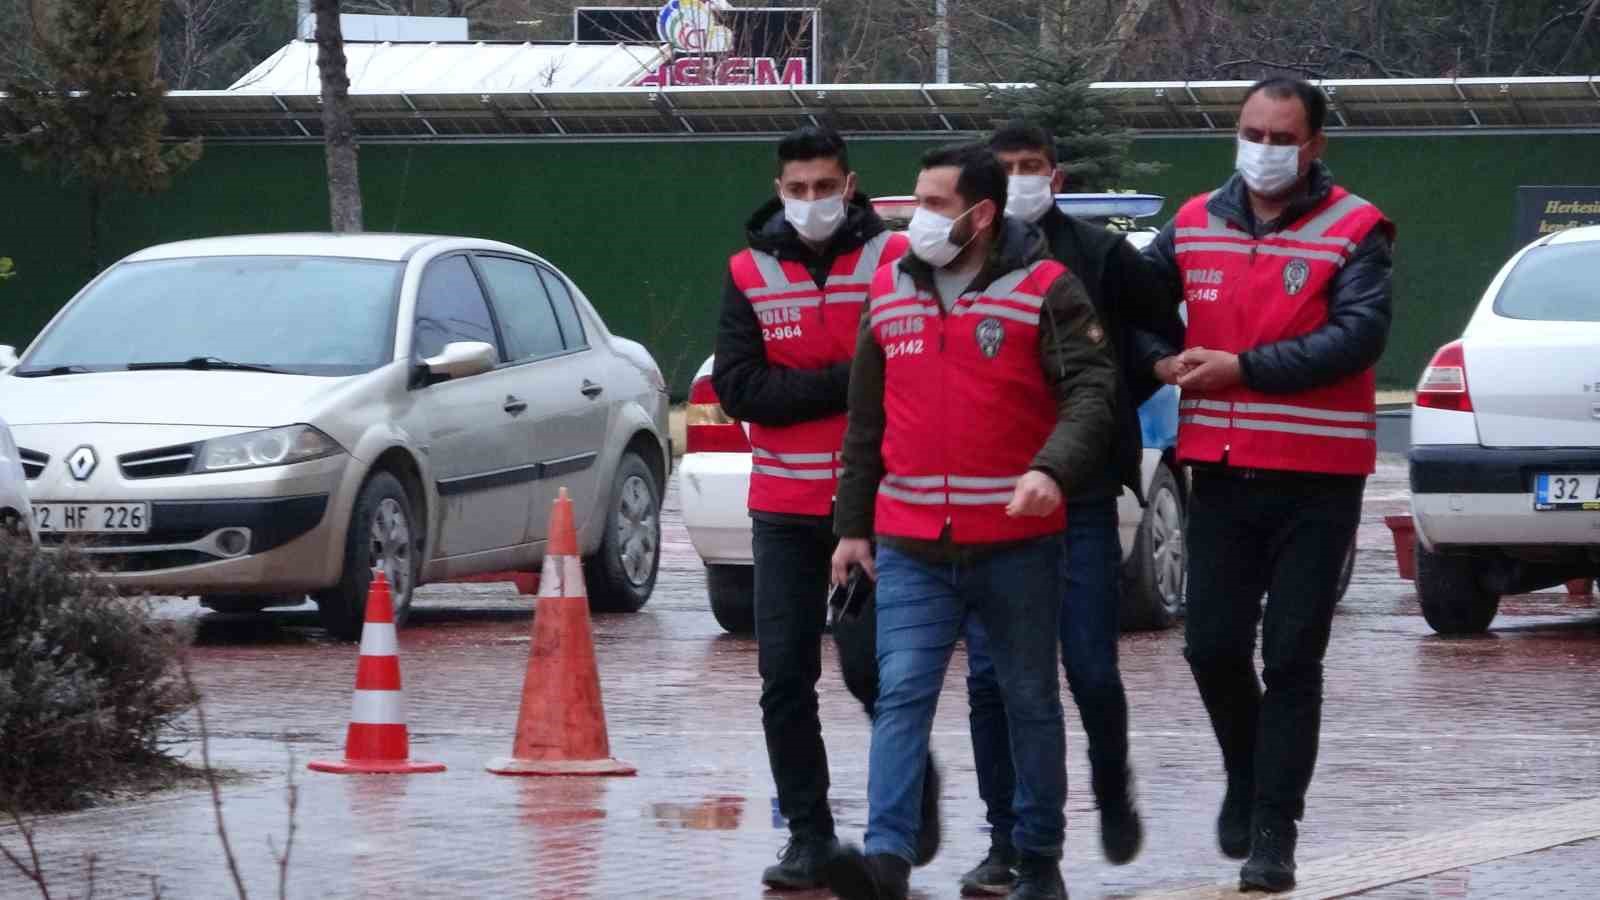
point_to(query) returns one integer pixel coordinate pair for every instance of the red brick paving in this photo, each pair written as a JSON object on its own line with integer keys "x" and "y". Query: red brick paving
{"x": 1421, "y": 735}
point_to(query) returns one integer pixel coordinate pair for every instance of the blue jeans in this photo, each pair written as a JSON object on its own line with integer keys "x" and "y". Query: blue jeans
{"x": 922, "y": 610}
{"x": 1091, "y": 597}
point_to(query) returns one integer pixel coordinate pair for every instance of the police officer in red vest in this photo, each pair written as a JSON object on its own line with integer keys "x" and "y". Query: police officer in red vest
{"x": 981, "y": 394}
{"x": 784, "y": 343}
{"x": 1286, "y": 276}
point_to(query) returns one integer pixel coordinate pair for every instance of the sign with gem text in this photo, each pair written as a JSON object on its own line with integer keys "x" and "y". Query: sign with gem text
{"x": 711, "y": 41}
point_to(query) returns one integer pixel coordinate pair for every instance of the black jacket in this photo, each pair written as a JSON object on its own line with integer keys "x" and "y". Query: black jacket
{"x": 1359, "y": 302}
{"x": 751, "y": 388}
{"x": 1128, "y": 298}
{"x": 1073, "y": 354}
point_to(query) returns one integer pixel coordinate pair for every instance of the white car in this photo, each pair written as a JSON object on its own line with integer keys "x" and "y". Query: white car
{"x": 1505, "y": 433}
{"x": 715, "y": 475}
{"x": 252, "y": 419}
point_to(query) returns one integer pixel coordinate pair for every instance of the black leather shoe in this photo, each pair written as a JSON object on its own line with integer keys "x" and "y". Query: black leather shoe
{"x": 799, "y": 867}
{"x": 931, "y": 833}
{"x": 852, "y": 876}
{"x": 994, "y": 877}
{"x": 1271, "y": 864}
{"x": 1233, "y": 823}
{"x": 1121, "y": 831}
{"x": 1038, "y": 878}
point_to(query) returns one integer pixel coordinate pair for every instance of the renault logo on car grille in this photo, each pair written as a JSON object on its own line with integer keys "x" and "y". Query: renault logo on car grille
{"x": 82, "y": 463}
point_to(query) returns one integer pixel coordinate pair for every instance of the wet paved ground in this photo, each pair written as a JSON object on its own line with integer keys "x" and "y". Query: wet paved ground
{"x": 1422, "y": 737}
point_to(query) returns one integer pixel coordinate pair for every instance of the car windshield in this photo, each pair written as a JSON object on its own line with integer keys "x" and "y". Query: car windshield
{"x": 296, "y": 315}
{"x": 1554, "y": 283}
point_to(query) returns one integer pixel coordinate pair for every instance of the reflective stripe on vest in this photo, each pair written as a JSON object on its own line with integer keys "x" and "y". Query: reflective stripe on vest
{"x": 1359, "y": 426}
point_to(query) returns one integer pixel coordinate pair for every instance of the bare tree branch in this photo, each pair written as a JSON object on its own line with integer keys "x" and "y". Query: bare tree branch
{"x": 211, "y": 778}
{"x": 33, "y": 870}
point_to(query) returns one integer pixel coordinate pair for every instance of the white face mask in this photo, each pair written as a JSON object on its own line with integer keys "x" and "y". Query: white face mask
{"x": 816, "y": 220}
{"x": 1268, "y": 170}
{"x": 930, "y": 237}
{"x": 1028, "y": 197}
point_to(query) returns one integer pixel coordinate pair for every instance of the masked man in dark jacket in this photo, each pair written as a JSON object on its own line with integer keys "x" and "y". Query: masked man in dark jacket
{"x": 1126, "y": 296}
{"x": 784, "y": 344}
{"x": 1286, "y": 275}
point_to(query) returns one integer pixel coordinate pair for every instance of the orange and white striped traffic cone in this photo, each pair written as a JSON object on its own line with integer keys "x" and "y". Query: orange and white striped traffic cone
{"x": 377, "y": 742}
{"x": 561, "y": 727}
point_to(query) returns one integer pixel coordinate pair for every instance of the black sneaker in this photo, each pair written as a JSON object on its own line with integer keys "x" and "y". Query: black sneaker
{"x": 799, "y": 866}
{"x": 1233, "y": 823}
{"x": 1271, "y": 864}
{"x": 994, "y": 877}
{"x": 852, "y": 876}
{"x": 931, "y": 833}
{"x": 1038, "y": 878}
{"x": 1121, "y": 831}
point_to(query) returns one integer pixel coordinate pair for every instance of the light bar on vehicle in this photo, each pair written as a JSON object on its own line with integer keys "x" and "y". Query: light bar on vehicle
{"x": 1105, "y": 206}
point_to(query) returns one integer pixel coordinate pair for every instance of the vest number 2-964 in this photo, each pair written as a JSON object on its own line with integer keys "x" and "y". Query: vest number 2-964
{"x": 781, "y": 333}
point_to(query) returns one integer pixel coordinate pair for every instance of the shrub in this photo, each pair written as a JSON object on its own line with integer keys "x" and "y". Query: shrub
{"x": 89, "y": 681}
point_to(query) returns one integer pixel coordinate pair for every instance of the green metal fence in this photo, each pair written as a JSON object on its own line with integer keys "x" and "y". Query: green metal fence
{"x": 645, "y": 228}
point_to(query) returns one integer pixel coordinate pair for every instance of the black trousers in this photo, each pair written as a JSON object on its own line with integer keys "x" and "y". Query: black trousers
{"x": 791, "y": 601}
{"x": 1284, "y": 536}
{"x": 792, "y": 563}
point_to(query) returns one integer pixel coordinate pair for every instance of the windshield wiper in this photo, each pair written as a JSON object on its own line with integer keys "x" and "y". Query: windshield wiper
{"x": 54, "y": 370}
{"x": 202, "y": 364}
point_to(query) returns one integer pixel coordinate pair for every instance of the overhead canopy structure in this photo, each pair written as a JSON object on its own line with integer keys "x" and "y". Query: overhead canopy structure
{"x": 412, "y": 68}
{"x": 874, "y": 111}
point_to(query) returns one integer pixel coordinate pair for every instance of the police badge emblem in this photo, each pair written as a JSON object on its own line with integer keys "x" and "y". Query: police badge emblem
{"x": 1295, "y": 275}
{"x": 991, "y": 334}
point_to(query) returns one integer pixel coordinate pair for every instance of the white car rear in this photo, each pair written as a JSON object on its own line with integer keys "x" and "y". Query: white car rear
{"x": 1505, "y": 460}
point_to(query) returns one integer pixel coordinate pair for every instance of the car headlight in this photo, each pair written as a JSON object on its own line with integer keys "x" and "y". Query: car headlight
{"x": 273, "y": 447}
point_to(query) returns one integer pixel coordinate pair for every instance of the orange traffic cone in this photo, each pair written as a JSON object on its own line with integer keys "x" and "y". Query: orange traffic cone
{"x": 377, "y": 742}
{"x": 561, "y": 728}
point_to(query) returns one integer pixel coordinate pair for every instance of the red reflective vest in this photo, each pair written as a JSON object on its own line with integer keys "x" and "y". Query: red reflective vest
{"x": 1243, "y": 292}
{"x": 795, "y": 468}
{"x": 966, "y": 406}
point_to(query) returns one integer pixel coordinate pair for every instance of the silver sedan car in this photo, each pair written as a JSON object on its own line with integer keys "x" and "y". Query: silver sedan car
{"x": 253, "y": 419}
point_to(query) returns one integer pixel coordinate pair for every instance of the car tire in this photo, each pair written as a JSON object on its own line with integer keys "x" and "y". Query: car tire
{"x": 733, "y": 597}
{"x": 622, "y": 574}
{"x": 1152, "y": 596}
{"x": 383, "y": 533}
{"x": 1454, "y": 600}
{"x": 1346, "y": 572}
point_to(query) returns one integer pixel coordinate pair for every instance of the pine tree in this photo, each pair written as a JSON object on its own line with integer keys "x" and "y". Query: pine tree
{"x": 97, "y": 118}
{"x": 1095, "y": 152}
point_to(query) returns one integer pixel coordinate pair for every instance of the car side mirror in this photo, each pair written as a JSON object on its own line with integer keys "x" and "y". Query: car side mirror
{"x": 461, "y": 359}
{"x": 8, "y": 357}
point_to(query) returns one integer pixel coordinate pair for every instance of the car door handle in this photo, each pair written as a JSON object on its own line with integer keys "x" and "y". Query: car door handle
{"x": 515, "y": 406}
{"x": 591, "y": 390}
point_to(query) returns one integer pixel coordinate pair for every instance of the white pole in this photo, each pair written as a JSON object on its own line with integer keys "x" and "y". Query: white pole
{"x": 941, "y": 65}
{"x": 304, "y": 26}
